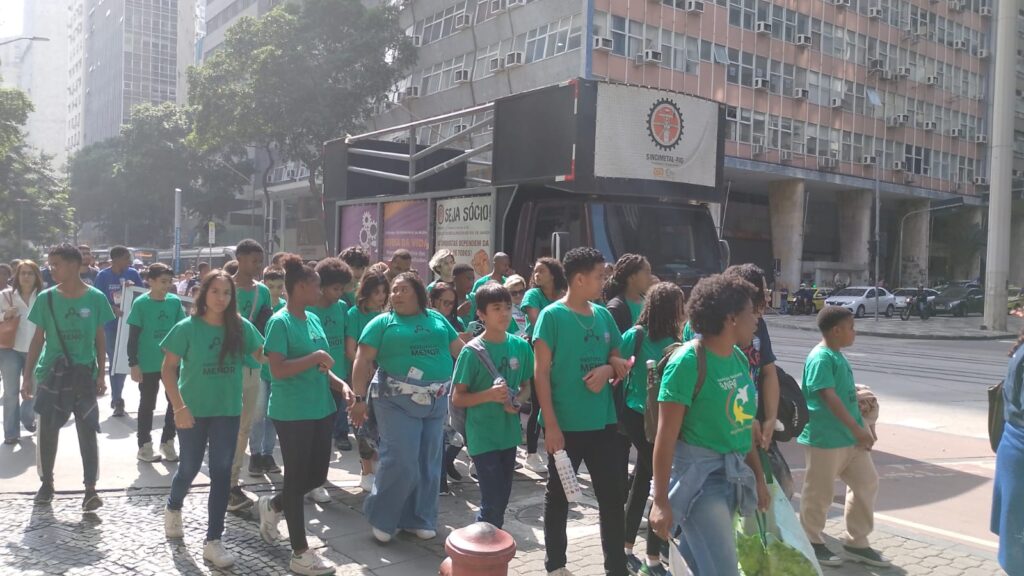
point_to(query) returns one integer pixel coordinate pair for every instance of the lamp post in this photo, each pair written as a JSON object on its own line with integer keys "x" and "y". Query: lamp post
{"x": 177, "y": 229}
{"x": 26, "y": 38}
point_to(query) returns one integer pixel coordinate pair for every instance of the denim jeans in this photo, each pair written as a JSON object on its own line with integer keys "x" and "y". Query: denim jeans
{"x": 708, "y": 542}
{"x": 404, "y": 492}
{"x": 262, "y": 436}
{"x": 16, "y": 412}
{"x": 219, "y": 433}
{"x": 494, "y": 472}
{"x": 306, "y": 452}
{"x": 116, "y": 380}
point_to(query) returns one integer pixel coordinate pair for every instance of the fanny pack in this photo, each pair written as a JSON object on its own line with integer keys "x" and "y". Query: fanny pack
{"x": 423, "y": 393}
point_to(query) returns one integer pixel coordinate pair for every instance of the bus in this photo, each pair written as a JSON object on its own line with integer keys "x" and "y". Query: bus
{"x": 216, "y": 256}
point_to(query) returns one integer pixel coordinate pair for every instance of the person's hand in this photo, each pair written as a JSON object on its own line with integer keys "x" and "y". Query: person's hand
{"x": 764, "y": 496}
{"x": 553, "y": 439}
{"x": 864, "y": 438}
{"x": 136, "y": 374}
{"x": 357, "y": 413}
{"x": 497, "y": 393}
{"x": 10, "y": 313}
{"x": 101, "y": 385}
{"x": 324, "y": 360}
{"x": 117, "y": 311}
{"x": 26, "y": 386}
{"x": 596, "y": 379}
{"x": 183, "y": 418}
{"x": 767, "y": 432}
{"x": 510, "y": 409}
{"x": 660, "y": 518}
{"x": 348, "y": 395}
{"x": 621, "y": 366}
{"x": 464, "y": 308}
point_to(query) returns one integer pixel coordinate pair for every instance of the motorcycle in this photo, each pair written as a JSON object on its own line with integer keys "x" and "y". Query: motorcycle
{"x": 916, "y": 306}
{"x": 801, "y": 306}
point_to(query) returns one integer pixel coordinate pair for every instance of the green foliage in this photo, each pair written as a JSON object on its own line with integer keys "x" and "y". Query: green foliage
{"x": 15, "y": 107}
{"x": 779, "y": 559}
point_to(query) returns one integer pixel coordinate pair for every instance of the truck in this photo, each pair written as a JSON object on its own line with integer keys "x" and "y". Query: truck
{"x": 624, "y": 169}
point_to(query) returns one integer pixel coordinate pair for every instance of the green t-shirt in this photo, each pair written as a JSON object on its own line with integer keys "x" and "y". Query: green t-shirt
{"x": 688, "y": 333}
{"x": 208, "y": 387}
{"x": 472, "y": 310}
{"x": 156, "y": 318}
{"x": 334, "y": 320}
{"x": 244, "y": 299}
{"x": 634, "y": 309}
{"x": 636, "y": 382}
{"x": 357, "y": 321}
{"x": 578, "y": 345}
{"x": 415, "y": 347}
{"x": 534, "y": 298}
{"x": 349, "y": 298}
{"x": 77, "y": 320}
{"x": 722, "y": 417}
{"x": 826, "y": 368}
{"x": 484, "y": 280}
{"x": 307, "y": 395}
{"x": 488, "y": 426}
{"x": 265, "y": 368}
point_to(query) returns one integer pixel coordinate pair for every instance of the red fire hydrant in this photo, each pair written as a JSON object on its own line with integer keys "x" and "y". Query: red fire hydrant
{"x": 478, "y": 550}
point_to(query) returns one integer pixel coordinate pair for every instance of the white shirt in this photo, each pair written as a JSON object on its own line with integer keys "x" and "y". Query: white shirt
{"x": 10, "y": 298}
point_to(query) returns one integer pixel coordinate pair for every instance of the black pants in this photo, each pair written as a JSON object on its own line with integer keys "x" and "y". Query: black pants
{"x": 306, "y": 451}
{"x": 532, "y": 426}
{"x": 148, "y": 389}
{"x": 590, "y": 447}
{"x": 639, "y": 490}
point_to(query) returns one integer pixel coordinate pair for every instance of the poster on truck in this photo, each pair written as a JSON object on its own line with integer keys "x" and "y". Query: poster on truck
{"x": 358, "y": 226}
{"x": 464, "y": 227}
{"x": 405, "y": 227}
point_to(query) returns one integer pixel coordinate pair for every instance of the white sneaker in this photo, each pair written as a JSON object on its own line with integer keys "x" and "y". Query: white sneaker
{"x": 320, "y": 495}
{"x": 422, "y": 534}
{"x": 534, "y": 463}
{"x": 269, "y": 518}
{"x": 309, "y": 563}
{"x": 366, "y": 482}
{"x": 146, "y": 453}
{"x": 560, "y": 572}
{"x": 381, "y": 536}
{"x": 172, "y": 524}
{"x": 215, "y": 553}
{"x": 168, "y": 452}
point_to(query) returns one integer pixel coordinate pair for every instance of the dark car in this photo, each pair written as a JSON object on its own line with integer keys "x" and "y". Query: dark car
{"x": 959, "y": 301}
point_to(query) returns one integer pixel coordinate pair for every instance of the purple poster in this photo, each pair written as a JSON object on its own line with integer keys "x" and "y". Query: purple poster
{"x": 358, "y": 226}
{"x": 405, "y": 227}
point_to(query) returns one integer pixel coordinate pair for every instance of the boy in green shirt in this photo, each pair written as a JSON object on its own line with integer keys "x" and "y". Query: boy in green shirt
{"x": 492, "y": 417}
{"x": 838, "y": 445}
{"x": 358, "y": 261}
{"x": 576, "y": 347}
{"x": 152, "y": 316}
{"x": 263, "y": 437}
{"x": 335, "y": 277}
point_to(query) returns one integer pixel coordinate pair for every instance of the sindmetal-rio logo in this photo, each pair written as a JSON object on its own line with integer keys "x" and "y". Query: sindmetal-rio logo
{"x": 665, "y": 124}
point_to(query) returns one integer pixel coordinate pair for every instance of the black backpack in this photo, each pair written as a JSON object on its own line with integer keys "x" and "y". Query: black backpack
{"x": 793, "y": 413}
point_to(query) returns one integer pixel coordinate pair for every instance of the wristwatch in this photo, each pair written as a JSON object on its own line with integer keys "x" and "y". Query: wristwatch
{"x": 360, "y": 399}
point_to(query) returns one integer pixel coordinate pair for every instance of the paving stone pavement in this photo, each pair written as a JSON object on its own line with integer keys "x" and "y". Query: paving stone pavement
{"x": 126, "y": 537}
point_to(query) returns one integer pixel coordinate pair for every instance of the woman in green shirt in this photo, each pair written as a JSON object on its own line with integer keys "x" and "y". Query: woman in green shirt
{"x": 624, "y": 291}
{"x": 706, "y": 430}
{"x": 302, "y": 410}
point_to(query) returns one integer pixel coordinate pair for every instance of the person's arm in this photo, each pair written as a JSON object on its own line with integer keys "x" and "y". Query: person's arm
{"x": 770, "y": 393}
{"x": 754, "y": 461}
{"x": 463, "y": 398}
{"x": 532, "y": 314}
{"x": 351, "y": 345}
{"x": 835, "y": 405}
{"x": 362, "y": 371}
{"x": 282, "y": 368}
{"x": 341, "y": 387}
{"x": 34, "y": 349}
{"x": 134, "y": 333}
{"x": 670, "y": 421}
{"x": 553, "y": 439}
{"x": 455, "y": 347}
{"x": 169, "y": 376}
{"x": 101, "y": 360}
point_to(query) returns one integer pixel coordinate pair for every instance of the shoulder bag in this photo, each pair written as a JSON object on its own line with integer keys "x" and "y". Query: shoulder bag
{"x": 9, "y": 327}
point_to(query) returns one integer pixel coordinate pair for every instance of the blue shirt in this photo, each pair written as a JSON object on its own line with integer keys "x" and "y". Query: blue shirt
{"x": 110, "y": 284}
{"x": 1013, "y": 389}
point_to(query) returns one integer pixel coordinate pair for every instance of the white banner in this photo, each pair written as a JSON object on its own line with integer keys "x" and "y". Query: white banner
{"x": 463, "y": 225}
{"x": 651, "y": 134}
{"x": 120, "y": 343}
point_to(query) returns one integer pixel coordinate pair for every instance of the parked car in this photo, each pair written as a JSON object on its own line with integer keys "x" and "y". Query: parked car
{"x": 904, "y": 293}
{"x": 861, "y": 300}
{"x": 1016, "y": 298}
{"x": 959, "y": 301}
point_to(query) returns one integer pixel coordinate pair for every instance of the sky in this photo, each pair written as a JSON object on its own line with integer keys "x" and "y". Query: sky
{"x": 10, "y": 17}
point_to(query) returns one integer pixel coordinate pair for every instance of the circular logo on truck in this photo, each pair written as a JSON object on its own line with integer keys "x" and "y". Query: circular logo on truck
{"x": 665, "y": 124}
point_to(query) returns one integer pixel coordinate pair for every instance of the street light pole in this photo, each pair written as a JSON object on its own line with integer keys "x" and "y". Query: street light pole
{"x": 28, "y": 38}
{"x": 177, "y": 229}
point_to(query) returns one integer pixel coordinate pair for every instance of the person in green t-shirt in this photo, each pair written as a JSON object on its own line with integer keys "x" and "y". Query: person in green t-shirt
{"x": 576, "y": 347}
{"x": 492, "y": 413}
{"x": 202, "y": 372}
{"x": 302, "y": 409}
{"x": 707, "y": 427}
{"x": 358, "y": 261}
{"x": 465, "y": 303}
{"x": 333, "y": 314}
{"x": 837, "y": 444}
{"x": 658, "y": 327}
{"x": 548, "y": 286}
{"x": 70, "y": 315}
{"x": 624, "y": 291}
{"x": 152, "y": 316}
{"x": 501, "y": 264}
{"x": 442, "y": 298}
{"x": 263, "y": 437}
{"x": 414, "y": 347}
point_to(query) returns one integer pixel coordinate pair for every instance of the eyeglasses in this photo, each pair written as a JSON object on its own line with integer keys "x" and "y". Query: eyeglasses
{"x": 517, "y": 292}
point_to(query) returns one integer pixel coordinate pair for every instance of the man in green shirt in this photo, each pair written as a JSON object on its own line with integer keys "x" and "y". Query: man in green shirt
{"x": 358, "y": 261}
{"x": 576, "y": 347}
{"x": 465, "y": 302}
{"x": 838, "y": 445}
{"x": 69, "y": 321}
{"x": 501, "y": 264}
{"x": 333, "y": 313}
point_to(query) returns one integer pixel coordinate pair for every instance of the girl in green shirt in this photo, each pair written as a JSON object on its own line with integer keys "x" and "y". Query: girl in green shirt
{"x": 624, "y": 291}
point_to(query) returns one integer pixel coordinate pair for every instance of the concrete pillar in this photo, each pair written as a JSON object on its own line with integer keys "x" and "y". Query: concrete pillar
{"x": 786, "y": 209}
{"x": 1017, "y": 240}
{"x": 855, "y": 231}
{"x": 968, "y": 265}
{"x": 913, "y": 264}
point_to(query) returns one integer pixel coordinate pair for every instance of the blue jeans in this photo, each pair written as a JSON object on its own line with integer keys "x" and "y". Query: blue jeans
{"x": 405, "y": 492}
{"x": 341, "y": 420}
{"x": 16, "y": 412}
{"x": 708, "y": 542}
{"x": 262, "y": 436}
{"x": 494, "y": 471}
{"x": 116, "y": 380}
{"x": 219, "y": 433}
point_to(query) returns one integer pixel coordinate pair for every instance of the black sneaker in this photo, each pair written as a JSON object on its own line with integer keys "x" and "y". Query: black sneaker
{"x": 256, "y": 466}
{"x": 237, "y": 500}
{"x": 91, "y": 502}
{"x": 663, "y": 553}
{"x": 119, "y": 409}
{"x": 633, "y": 564}
{"x": 826, "y": 557}
{"x": 343, "y": 444}
{"x": 45, "y": 494}
{"x": 269, "y": 466}
{"x": 868, "y": 556}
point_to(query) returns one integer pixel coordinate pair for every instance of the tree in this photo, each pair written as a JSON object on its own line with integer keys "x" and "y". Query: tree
{"x": 297, "y": 77}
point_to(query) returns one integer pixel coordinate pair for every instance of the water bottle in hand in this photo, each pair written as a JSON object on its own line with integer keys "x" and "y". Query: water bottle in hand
{"x": 567, "y": 476}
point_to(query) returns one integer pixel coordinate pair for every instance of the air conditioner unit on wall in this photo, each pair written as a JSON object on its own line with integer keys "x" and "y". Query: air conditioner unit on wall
{"x": 932, "y": 80}
{"x": 785, "y": 156}
{"x": 960, "y": 44}
{"x": 763, "y": 27}
{"x": 694, "y": 6}
{"x": 985, "y": 10}
{"x": 515, "y": 3}
{"x": 462, "y": 76}
{"x": 981, "y": 138}
{"x": 647, "y": 57}
{"x": 869, "y": 160}
{"x": 899, "y": 165}
{"x": 603, "y": 44}
{"x": 761, "y": 83}
{"x": 836, "y": 102}
{"x": 874, "y": 12}
{"x": 800, "y": 93}
{"x": 513, "y": 59}
{"x": 930, "y": 125}
{"x": 827, "y": 162}
{"x": 803, "y": 39}
{"x": 955, "y": 133}
{"x": 980, "y": 181}
{"x": 417, "y": 41}
{"x": 497, "y": 6}
{"x": 463, "y": 21}
{"x": 903, "y": 71}
{"x": 983, "y": 53}
{"x": 494, "y": 64}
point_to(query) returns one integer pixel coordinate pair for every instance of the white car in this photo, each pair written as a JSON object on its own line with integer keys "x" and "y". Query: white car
{"x": 904, "y": 294}
{"x": 861, "y": 301}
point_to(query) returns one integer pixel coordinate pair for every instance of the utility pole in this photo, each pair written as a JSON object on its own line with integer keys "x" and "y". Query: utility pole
{"x": 177, "y": 230}
{"x": 997, "y": 260}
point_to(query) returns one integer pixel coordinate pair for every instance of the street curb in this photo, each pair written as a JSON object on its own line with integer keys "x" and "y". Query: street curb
{"x": 861, "y": 332}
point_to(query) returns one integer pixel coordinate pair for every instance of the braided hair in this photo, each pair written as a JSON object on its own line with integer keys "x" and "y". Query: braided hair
{"x": 625, "y": 267}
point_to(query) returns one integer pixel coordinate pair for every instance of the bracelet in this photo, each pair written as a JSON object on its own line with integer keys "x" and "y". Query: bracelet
{"x": 180, "y": 409}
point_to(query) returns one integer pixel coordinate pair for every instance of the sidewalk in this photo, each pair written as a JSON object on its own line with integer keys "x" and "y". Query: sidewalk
{"x": 935, "y": 328}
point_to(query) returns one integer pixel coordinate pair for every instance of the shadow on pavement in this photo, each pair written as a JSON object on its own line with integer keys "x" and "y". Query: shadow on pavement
{"x": 15, "y": 459}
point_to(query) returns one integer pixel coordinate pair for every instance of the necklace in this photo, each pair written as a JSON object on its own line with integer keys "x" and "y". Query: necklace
{"x": 576, "y": 315}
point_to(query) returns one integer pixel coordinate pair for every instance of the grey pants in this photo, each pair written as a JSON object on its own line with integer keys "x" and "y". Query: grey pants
{"x": 86, "y": 424}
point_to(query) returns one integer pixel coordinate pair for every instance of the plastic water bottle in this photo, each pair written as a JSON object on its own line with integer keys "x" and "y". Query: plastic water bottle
{"x": 568, "y": 478}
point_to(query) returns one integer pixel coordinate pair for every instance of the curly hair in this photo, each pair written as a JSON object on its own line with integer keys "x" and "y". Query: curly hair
{"x": 625, "y": 267}
{"x": 664, "y": 311}
{"x": 557, "y": 273}
{"x": 355, "y": 257}
{"x": 334, "y": 271}
{"x": 714, "y": 299}
{"x": 755, "y": 275}
{"x": 581, "y": 260}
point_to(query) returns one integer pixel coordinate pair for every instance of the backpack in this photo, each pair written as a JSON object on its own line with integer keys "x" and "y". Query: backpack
{"x": 621, "y": 313}
{"x": 619, "y": 392}
{"x": 793, "y": 413}
{"x": 654, "y": 385}
{"x": 456, "y": 415}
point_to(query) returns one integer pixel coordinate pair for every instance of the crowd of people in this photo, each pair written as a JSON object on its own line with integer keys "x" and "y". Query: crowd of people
{"x": 599, "y": 358}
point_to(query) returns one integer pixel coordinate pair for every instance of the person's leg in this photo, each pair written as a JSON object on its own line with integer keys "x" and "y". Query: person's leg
{"x": 420, "y": 512}
{"x": 532, "y": 425}
{"x": 295, "y": 437}
{"x": 250, "y": 391}
{"x": 46, "y": 448}
{"x": 262, "y": 427}
{"x": 170, "y": 430}
{"x": 116, "y": 380}
{"x": 488, "y": 471}
{"x": 709, "y": 530}
{"x": 28, "y": 415}
{"x": 640, "y": 488}
{"x": 147, "y": 403}
{"x": 508, "y": 467}
{"x": 340, "y": 426}
{"x": 823, "y": 466}
{"x": 222, "y": 435}
{"x": 861, "y": 480}
{"x": 320, "y": 450}
{"x": 11, "y": 377}
{"x": 87, "y": 424}
{"x": 556, "y": 507}
{"x": 398, "y": 471}
{"x": 606, "y": 476}
{"x": 192, "y": 444}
